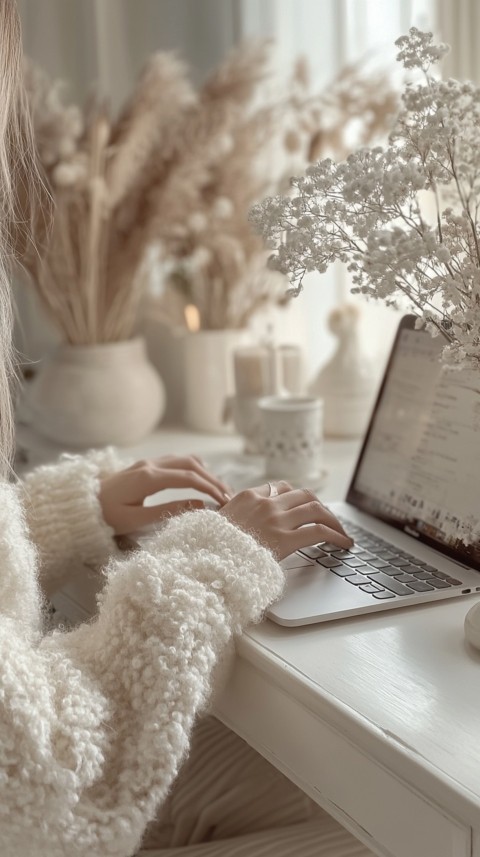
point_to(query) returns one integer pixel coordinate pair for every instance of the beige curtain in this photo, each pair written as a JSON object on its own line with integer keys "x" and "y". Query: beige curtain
{"x": 103, "y": 43}
{"x": 458, "y": 24}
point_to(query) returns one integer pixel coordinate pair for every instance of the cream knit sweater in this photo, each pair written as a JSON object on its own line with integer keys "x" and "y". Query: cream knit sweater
{"x": 95, "y": 722}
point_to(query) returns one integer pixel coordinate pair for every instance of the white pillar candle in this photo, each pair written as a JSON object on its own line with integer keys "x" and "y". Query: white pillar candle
{"x": 252, "y": 368}
{"x": 276, "y": 370}
{"x": 291, "y": 359}
{"x": 262, "y": 370}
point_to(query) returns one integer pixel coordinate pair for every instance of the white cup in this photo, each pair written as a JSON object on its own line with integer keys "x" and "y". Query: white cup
{"x": 292, "y": 436}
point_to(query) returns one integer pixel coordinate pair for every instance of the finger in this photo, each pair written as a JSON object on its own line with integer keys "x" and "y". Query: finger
{"x": 337, "y": 522}
{"x": 264, "y": 489}
{"x": 314, "y": 534}
{"x": 137, "y": 517}
{"x": 314, "y": 512}
{"x": 196, "y": 465}
{"x": 228, "y": 490}
{"x": 158, "y": 480}
{"x": 283, "y": 487}
{"x": 302, "y": 497}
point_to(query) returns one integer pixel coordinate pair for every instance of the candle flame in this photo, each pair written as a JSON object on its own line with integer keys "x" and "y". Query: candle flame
{"x": 192, "y": 318}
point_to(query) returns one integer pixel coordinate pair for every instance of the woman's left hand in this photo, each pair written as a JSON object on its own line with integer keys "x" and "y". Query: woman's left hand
{"x": 122, "y": 495}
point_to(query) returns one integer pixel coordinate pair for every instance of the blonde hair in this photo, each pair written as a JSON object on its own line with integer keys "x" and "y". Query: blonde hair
{"x": 19, "y": 187}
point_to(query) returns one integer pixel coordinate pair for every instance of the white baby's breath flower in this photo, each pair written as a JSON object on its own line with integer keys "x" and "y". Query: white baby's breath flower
{"x": 367, "y": 211}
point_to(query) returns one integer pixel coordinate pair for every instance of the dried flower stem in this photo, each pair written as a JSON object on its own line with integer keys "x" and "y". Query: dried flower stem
{"x": 178, "y": 169}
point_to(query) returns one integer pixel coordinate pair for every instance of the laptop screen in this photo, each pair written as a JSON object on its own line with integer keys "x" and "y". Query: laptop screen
{"x": 419, "y": 468}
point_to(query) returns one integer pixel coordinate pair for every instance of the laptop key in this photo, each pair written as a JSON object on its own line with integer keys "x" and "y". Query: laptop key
{"x": 357, "y": 579}
{"x": 371, "y": 588}
{"x": 313, "y": 552}
{"x": 422, "y": 575}
{"x": 342, "y": 570}
{"x": 340, "y": 554}
{"x": 328, "y": 547}
{"x": 386, "y": 554}
{"x": 390, "y": 583}
{"x": 441, "y": 574}
{"x": 383, "y": 595}
{"x": 453, "y": 582}
{"x": 378, "y": 563}
{"x": 398, "y": 561}
{"x": 390, "y": 570}
{"x": 404, "y": 578}
{"x": 421, "y": 586}
{"x": 439, "y": 584}
{"x": 354, "y": 562}
{"x": 329, "y": 561}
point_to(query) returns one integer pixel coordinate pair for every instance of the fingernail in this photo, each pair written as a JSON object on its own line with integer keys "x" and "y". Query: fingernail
{"x": 227, "y": 496}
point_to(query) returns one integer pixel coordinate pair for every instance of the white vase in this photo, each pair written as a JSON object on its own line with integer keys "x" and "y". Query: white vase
{"x": 165, "y": 350}
{"x": 92, "y": 395}
{"x": 209, "y": 377}
{"x": 348, "y": 382}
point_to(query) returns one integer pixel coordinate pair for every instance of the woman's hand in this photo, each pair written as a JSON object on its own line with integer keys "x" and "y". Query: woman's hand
{"x": 122, "y": 495}
{"x": 278, "y": 521}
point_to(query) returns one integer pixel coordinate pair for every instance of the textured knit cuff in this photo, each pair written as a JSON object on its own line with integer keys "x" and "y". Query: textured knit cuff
{"x": 64, "y": 513}
{"x": 224, "y": 558}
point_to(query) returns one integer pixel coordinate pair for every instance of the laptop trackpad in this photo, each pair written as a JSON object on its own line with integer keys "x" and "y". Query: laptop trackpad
{"x": 296, "y": 561}
{"x": 313, "y": 594}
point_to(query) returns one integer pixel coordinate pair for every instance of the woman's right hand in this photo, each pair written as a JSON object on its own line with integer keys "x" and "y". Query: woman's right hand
{"x": 286, "y": 521}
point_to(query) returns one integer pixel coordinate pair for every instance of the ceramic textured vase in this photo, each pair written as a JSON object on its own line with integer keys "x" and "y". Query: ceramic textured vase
{"x": 209, "y": 377}
{"x": 92, "y": 395}
{"x": 347, "y": 383}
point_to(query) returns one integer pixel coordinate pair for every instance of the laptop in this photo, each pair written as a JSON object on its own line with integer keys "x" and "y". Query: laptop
{"x": 414, "y": 499}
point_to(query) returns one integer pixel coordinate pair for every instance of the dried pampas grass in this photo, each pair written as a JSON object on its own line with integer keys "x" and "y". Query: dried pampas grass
{"x": 242, "y": 149}
{"x": 178, "y": 170}
{"x": 97, "y": 170}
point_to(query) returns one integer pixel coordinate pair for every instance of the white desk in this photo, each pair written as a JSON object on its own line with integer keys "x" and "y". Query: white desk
{"x": 376, "y": 717}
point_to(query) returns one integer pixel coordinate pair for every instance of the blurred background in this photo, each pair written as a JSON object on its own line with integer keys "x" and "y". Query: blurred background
{"x": 100, "y": 46}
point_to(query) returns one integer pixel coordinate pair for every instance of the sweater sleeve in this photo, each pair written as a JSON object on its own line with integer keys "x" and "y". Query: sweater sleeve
{"x": 96, "y": 721}
{"x": 64, "y": 515}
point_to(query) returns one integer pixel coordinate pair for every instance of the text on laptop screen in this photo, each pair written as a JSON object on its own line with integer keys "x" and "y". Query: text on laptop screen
{"x": 420, "y": 465}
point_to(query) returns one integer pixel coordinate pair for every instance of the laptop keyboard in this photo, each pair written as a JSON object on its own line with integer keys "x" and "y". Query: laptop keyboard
{"x": 378, "y": 567}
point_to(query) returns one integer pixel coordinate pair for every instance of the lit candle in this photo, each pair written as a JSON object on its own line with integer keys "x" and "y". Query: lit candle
{"x": 192, "y": 318}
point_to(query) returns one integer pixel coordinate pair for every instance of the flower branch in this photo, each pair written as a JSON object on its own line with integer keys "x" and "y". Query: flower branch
{"x": 366, "y": 211}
